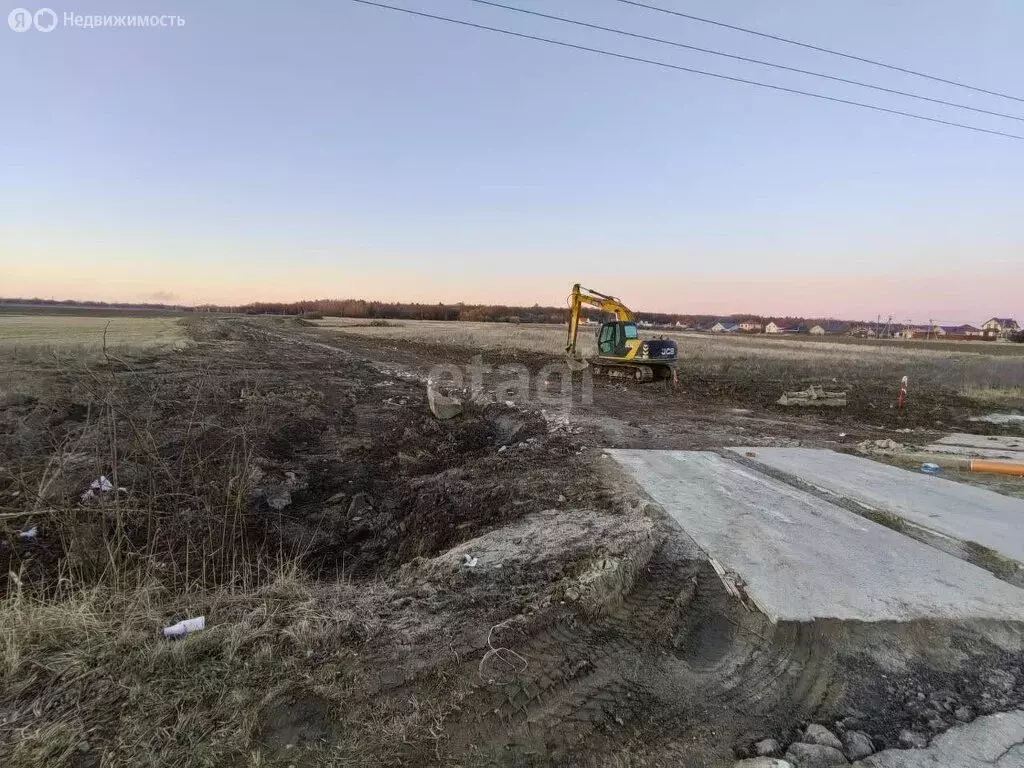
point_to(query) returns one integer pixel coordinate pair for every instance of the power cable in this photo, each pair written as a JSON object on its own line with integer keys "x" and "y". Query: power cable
{"x": 746, "y": 59}
{"x": 666, "y": 65}
{"x": 821, "y": 49}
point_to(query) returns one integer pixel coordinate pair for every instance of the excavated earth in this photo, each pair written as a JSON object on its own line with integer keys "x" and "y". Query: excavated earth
{"x": 538, "y": 605}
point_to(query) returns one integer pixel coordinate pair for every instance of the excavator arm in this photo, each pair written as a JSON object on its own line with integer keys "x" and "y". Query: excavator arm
{"x": 577, "y": 299}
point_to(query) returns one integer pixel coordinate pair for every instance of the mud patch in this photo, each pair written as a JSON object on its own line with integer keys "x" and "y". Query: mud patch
{"x": 298, "y": 723}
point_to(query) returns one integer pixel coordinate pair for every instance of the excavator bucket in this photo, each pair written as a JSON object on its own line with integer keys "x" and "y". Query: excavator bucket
{"x": 575, "y": 363}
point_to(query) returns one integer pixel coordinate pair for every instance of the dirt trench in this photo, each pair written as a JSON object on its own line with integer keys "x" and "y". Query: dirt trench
{"x": 672, "y": 671}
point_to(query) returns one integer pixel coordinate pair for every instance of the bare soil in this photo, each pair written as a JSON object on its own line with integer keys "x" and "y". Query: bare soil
{"x": 478, "y": 591}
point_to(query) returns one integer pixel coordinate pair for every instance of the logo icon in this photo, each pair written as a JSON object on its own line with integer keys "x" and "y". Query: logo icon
{"x": 20, "y": 20}
{"x": 45, "y": 20}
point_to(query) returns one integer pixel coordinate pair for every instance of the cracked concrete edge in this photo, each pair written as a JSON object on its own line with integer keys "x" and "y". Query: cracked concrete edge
{"x": 986, "y": 742}
{"x": 1003, "y": 568}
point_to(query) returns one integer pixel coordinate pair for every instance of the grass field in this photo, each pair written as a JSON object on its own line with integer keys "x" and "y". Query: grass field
{"x": 25, "y": 337}
{"x": 989, "y": 373}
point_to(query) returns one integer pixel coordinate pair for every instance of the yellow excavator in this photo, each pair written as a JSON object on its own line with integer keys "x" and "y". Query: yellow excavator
{"x": 620, "y": 350}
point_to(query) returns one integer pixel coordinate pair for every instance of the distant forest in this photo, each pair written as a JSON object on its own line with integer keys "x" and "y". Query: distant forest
{"x": 360, "y": 308}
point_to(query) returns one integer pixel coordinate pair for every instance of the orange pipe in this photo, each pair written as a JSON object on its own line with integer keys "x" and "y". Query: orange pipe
{"x": 999, "y": 467}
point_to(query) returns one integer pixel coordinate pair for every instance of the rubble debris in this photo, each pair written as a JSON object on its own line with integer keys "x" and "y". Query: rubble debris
{"x": 879, "y": 446}
{"x": 768, "y": 748}
{"x": 186, "y": 627}
{"x": 559, "y": 423}
{"x": 442, "y": 406}
{"x": 277, "y": 491}
{"x": 763, "y": 762}
{"x": 819, "y": 734}
{"x": 913, "y": 739}
{"x": 469, "y": 561}
{"x": 815, "y": 756}
{"x": 857, "y": 745}
{"x": 930, "y": 468}
{"x": 964, "y": 714}
{"x": 814, "y": 396}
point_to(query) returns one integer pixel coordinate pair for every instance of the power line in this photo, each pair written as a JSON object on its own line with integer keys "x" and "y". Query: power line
{"x": 821, "y": 49}
{"x": 666, "y": 65}
{"x": 746, "y": 59}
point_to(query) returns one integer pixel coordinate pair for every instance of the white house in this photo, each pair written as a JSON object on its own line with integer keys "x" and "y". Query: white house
{"x": 721, "y": 327}
{"x": 999, "y": 328}
{"x": 774, "y": 327}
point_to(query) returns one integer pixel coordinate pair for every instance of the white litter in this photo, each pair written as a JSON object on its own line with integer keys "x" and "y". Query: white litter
{"x": 469, "y": 561}
{"x": 31, "y": 533}
{"x": 98, "y": 486}
{"x": 102, "y": 484}
{"x": 185, "y": 627}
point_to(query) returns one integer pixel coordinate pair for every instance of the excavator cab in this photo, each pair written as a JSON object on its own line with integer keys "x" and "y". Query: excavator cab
{"x": 612, "y": 338}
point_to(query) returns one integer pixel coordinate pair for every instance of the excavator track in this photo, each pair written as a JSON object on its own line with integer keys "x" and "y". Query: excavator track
{"x": 638, "y": 372}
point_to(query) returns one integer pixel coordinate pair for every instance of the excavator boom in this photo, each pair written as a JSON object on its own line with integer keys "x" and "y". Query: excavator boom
{"x": 581, "y": 296}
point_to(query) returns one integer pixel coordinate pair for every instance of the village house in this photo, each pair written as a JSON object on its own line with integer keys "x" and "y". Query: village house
{"x": 957, "y": 331}
{"x": 774, "y": 327}
{"x": 724, "y": 327}
{"x": 999, "y": 328}
{"x": 830, "y": 328}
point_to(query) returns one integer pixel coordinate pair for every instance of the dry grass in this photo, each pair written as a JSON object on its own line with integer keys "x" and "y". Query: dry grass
{"x": 85, "y": 674}
{"x": 92, "y": 674}
{"x": 950, "y": 365}
{"x": 1008, "y": 397}
{"x": 28, "y": 338}
{"x": 497, "y": 336}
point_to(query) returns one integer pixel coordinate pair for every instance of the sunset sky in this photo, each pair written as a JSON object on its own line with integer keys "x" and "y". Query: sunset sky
{"x": 328, "y": 149}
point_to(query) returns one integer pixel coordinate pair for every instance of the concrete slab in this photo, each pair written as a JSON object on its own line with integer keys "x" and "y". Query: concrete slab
{"x": 964, "y": 512}
{"x": 1001, "y": 442}
{"x": 994, "y": 741}
{"x": 804, "y": 558}
{"x": 968, "y": 452}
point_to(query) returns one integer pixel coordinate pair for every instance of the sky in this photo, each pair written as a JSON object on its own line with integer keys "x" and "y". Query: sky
{"x": 271, "y": 151}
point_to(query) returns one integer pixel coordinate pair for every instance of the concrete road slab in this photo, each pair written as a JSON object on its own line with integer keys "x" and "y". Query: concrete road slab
{"x": 1000, "y": 442}
{"x": 964, "y": 512}
{"x": 994, "y": 741}
{"x": 969, "y": 452}
{"x": 803, "y": 558}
